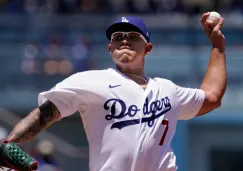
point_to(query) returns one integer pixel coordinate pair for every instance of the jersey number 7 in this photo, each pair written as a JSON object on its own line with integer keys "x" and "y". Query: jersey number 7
{"x": 166, "y": 123}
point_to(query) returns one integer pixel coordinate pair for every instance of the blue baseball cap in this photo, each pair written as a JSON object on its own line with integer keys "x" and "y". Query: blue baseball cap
{"x": 128, "y": 23}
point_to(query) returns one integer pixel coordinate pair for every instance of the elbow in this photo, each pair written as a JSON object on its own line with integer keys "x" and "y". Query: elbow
{"x": 216, "y": 101}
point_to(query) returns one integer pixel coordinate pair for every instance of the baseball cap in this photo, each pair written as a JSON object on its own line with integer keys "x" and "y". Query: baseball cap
{"x": 128, "y": 23}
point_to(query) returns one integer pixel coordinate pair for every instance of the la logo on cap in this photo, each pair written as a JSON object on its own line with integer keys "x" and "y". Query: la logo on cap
{"x": 124, "y": 19}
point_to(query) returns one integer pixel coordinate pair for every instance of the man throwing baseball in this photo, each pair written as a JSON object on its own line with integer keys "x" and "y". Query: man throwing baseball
{"x": 129, "y": 118}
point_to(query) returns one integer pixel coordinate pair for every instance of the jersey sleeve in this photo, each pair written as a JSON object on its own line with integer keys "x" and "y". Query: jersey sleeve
{"x": 68, "y": 96}
{"x": 190, "y": 101}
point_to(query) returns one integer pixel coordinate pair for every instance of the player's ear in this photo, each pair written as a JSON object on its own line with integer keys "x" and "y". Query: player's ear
{"x": 109, "y": 47}
{"x": 149, "y": 47}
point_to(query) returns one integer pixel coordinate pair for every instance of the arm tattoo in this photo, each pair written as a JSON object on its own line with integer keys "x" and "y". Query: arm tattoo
{"x": 34, "y": 123}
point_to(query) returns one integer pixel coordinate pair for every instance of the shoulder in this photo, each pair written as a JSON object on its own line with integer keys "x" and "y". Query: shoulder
{"x": 166, "y": 85}
{"x": 164, "y": 82}
{"x": 82, "y": 78}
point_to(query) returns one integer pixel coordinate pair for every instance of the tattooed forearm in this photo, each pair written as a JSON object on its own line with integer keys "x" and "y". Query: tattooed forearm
{"x": 34, "y": 123}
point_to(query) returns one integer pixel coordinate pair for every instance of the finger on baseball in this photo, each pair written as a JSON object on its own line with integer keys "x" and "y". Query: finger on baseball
{"x": 219, "y": 25}
{"x": 204, "y": 17}
{"x": 208, "y": 25}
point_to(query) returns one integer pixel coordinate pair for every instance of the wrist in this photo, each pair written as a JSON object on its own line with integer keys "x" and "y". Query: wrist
{"x": 220, "y": 48}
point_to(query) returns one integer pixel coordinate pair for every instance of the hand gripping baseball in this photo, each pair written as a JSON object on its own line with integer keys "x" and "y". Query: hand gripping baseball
{"x": 213, "y": 31}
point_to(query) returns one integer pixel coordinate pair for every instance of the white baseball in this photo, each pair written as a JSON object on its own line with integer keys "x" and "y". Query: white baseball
{"x": 214, "y": 18}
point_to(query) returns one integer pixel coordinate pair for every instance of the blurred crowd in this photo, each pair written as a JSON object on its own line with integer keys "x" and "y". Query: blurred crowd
{"x": 54, "y": 56}
{"x": 118, "y": 6}
{"x": 49, "y": 47}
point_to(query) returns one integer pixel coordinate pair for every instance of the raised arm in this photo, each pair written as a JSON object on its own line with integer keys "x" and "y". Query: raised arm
{"x": 39, "y": 119}
{"x": 215, "y": 79}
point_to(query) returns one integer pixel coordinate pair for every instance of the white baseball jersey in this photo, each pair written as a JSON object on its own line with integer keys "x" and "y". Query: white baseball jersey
{"x": 128, "y": 128}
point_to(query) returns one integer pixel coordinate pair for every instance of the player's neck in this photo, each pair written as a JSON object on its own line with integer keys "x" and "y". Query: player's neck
{"x": 137, "y": 75}
{"x": 139, "y": 72}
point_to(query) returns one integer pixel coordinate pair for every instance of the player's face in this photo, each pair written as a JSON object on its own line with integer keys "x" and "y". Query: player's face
{"x": 128, "y": 49}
